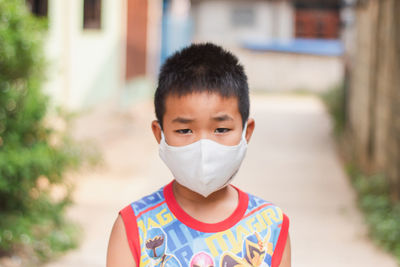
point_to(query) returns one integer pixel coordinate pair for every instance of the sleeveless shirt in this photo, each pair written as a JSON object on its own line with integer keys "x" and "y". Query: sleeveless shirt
{"x": 161, "y": 233}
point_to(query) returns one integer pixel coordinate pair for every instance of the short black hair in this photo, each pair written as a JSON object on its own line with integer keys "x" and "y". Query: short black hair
{"x": 202, "y": 67}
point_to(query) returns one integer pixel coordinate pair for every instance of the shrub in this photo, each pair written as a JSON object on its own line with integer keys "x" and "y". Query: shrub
{"x": 335, "y": 103}
{"x": 33, "y": 156}
{"x": 381, "y": 214}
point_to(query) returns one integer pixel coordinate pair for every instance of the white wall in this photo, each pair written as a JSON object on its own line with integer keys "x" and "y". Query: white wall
{"x": 154, "y": 38}
{"x": 272, "y": 71}
{"x": 86, "y": 66}
{"x": 267, "y": 71}
{"x": 213, "y": 21}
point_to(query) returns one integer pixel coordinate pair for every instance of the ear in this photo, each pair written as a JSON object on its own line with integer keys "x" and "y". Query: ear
{"x": 250, "y": 128}
{"x": 156, "y": 128}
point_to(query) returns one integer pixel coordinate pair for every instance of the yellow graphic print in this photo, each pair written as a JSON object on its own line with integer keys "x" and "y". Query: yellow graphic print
{"x": 253, "y": 253}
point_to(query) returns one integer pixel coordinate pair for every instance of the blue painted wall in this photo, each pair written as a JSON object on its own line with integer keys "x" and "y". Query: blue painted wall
{"x": 176, "y": 31}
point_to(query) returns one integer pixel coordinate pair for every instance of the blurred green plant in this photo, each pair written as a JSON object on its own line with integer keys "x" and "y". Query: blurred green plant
{"x": 33, "y": 155}
{"x": 382, "y": 215}
{"x": 334, "y": 101}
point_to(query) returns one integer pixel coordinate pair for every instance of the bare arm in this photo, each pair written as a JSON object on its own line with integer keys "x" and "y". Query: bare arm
{"x": 119, "y": 253}
{"x": 286, "y": 257}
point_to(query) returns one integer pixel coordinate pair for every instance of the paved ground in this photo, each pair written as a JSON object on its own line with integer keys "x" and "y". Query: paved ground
{"x": 291, "y": 161}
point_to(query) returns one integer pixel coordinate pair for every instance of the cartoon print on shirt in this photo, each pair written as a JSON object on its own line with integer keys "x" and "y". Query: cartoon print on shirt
{"x": 201, "y": 259}
{"x": 254, "y": 252}
{"x": 175, "y": 241}
{"x": 155, "y": 244}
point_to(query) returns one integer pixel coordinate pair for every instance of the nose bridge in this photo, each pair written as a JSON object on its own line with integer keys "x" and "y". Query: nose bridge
{"x": 205, "y": 134}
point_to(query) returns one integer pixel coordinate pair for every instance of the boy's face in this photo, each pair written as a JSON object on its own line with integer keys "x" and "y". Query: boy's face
{"x": 202, "y": 115}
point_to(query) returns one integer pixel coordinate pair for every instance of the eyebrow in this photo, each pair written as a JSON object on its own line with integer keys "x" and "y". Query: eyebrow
{"x": 182, "y": 120}
{"x": 224, "y": 117}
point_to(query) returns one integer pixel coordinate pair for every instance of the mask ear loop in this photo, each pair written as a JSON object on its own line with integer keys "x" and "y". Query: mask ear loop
{"x": 244, "y": 133}
{"x": 162, "y": 132}
{"x": 244, "y": 130}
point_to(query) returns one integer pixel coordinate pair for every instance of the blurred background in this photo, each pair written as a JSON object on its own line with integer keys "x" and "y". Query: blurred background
{"x": 77, "y": 79}
{"x": 114, "y": 49}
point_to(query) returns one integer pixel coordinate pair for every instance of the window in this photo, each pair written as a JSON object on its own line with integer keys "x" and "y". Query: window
{"x": 317, "y": 23}
{"x": 242, "y": 17}
{"x": 92, "y": 14}
{"x": 38, "y": 7}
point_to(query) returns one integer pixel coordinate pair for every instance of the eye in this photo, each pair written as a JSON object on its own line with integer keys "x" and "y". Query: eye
{"x": 184, "y": 131}
{"x": 222, "y": 130}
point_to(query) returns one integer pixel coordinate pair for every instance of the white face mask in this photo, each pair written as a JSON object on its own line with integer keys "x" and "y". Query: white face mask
{"x": 204, "y": 166}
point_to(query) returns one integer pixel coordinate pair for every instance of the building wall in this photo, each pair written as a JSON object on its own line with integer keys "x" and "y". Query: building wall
{"x": 154, "y": 28}
{"x": 374, "y": 95}
{"x": 176, "y": 27}
{"x": 136, "y": 38}
{"x": 283, "y": 72}
{"x": 231, "y": 22}
{"x": 314, "y": 23}
{"x": 273, "y": 21}
{"x": 86, "y": 66}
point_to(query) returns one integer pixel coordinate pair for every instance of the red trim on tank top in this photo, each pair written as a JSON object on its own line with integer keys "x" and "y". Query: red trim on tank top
{"x": 149, "y": 209}
{"x": 281, "y": 243}
{"x": 132, "y": 232}
{"x": 257, "y": 209}
{"x": 195, "y": 224}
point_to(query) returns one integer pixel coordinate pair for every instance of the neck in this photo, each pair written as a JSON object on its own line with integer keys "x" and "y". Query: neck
{"x": 186, "y": 194}
{"x": 225, "y": 201}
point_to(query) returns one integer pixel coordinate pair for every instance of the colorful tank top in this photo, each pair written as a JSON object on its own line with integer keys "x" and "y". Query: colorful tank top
{"x": 161, "y": 233}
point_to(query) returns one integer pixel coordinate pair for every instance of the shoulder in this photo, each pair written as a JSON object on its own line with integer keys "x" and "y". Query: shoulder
{"x": 132, "y": 212}
{"x": 260, "y": 205}
{"x": 118, "y": 252}
{"x": 126, "y": 230}
{"x": 148, "y": 201}
{"x": 277, "y": 220}
{"x": 272, "y": 214}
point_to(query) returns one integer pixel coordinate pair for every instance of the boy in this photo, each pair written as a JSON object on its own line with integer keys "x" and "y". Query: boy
{"x": 199, "y": 219}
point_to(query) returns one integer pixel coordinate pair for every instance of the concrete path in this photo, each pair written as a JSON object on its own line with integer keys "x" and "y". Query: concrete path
{"x": 291, "y": 161}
